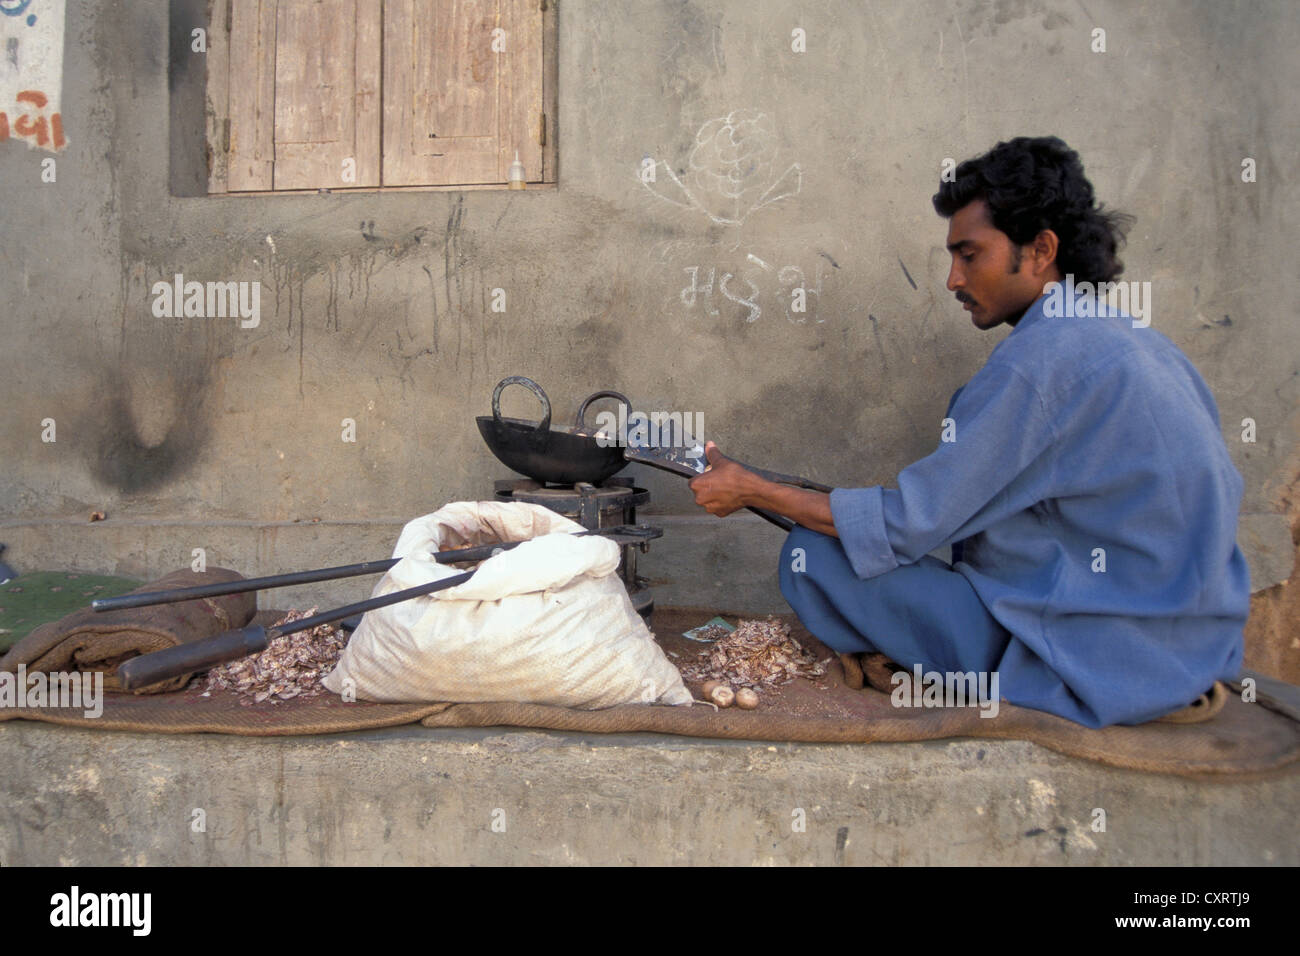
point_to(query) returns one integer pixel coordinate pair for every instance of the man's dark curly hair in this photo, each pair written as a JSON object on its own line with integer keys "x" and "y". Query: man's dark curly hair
{"x": 1032, "y": 184}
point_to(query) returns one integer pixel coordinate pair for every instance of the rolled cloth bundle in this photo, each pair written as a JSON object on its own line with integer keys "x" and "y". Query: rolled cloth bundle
{"x": 89, "y": 641}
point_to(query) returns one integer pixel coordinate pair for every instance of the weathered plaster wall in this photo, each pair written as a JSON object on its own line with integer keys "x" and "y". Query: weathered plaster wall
{"x": 375, "y": 305}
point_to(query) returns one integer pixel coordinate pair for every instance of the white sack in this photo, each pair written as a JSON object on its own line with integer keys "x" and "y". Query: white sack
{"x": 547, "y": 622}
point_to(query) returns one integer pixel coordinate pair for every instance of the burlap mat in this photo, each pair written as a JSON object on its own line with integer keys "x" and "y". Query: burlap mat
{"x": 1243, "y": 741}
{"x": 88, "y": 641}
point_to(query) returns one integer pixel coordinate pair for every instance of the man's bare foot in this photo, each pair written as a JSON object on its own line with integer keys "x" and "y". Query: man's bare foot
{"x": 877, "y": 669}
{"x": 852, "y": 671}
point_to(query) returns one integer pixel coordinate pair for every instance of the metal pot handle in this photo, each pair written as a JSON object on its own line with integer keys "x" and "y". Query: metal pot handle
{"x": 544, "y": 425}
{"x": 579, "y": 425}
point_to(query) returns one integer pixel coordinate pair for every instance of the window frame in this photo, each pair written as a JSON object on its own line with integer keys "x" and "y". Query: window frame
{"x": 217, "y": 125}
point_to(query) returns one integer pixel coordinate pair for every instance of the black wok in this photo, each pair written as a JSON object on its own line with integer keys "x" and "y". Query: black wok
{"x": 556, "y": 455}
{"x": 567, "y": 456}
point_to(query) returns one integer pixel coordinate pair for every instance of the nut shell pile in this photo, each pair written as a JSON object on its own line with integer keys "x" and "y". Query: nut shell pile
{"x": 291, "y": 666}
{"x": 756, "y": 654}
{"x": 711, "y": 633}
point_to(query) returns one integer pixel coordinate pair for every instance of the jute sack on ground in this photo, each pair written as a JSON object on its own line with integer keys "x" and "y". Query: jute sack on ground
{"x": 89, "y": 641}
{"x": 547, "y": 622}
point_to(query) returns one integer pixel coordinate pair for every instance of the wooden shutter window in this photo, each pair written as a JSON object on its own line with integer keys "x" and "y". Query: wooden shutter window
{"x": 411, "y": 91}
{"x": 252, "y": 94}
{"x": 304, "y": 93}
{"x": 327, "y": 107}
{"x": 456, "y": 109}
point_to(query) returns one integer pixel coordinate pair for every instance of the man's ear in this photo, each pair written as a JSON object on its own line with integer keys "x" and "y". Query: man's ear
{"x": 1043, "y": 249}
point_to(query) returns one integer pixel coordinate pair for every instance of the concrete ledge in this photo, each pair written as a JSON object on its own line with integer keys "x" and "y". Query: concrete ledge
{"x": 415, "y": 795}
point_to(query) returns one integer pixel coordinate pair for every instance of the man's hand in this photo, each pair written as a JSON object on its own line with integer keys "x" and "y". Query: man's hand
{"x": 724, "y": 485}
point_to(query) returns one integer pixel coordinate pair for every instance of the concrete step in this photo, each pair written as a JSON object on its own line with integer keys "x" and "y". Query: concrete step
{"x": 415, "y": 795}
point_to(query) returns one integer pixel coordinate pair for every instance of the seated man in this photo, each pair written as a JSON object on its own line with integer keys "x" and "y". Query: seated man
{"x": 1082, "y": 482}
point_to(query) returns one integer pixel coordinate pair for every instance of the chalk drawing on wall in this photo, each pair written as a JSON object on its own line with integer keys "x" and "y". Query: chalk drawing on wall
{"x": 731, "y": 171}
{"x": 31, "y": 72}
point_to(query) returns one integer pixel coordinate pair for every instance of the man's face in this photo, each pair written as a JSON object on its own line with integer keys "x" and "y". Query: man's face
{"x": 988, "y": 274}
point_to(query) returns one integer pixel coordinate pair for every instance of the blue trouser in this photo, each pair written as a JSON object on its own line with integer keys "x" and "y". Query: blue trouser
{"x": 924, "y": 613}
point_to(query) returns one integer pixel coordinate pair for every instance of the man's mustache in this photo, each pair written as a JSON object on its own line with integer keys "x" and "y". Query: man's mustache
{"x": 963, "y": 298}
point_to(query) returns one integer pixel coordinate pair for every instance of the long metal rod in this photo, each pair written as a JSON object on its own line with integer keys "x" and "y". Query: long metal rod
{"x": 147, "y": 598}
{"x": 194, "y": 656}
{"x": 187, "y": 658}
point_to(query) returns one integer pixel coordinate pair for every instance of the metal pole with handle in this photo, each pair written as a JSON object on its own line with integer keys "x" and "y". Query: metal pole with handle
{"x": 172, "y": 662}
{"x": 200, "y": 655}
{"x": 147, "y": 598}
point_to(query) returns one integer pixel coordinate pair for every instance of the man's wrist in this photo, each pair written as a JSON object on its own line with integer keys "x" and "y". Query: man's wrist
{"x": 755, "y": 494}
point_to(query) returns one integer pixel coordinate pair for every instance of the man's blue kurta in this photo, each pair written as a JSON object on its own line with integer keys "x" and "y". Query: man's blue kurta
{"x": 1092, "y": 505}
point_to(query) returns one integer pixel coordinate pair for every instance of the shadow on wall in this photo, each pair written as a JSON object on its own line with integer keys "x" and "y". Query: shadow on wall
{"x": 187, "y": 105}
{"x": 147, "y": 434}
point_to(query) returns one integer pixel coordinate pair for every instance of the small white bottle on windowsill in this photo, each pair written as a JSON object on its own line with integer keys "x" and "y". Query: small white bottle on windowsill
{"x": 516, "y": 175}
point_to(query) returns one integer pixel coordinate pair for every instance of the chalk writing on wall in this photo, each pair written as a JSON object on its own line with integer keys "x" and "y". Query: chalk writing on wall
{"x": 31, "y": 72}
{"x": 787, "y": 291}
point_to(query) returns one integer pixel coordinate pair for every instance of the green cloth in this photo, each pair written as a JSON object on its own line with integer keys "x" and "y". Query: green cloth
{"x": 30, "y": 600}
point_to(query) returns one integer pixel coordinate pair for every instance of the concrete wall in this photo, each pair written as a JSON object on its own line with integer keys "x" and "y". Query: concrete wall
{"x": 416, "y": 796}
{"x": 196, "y": 433}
